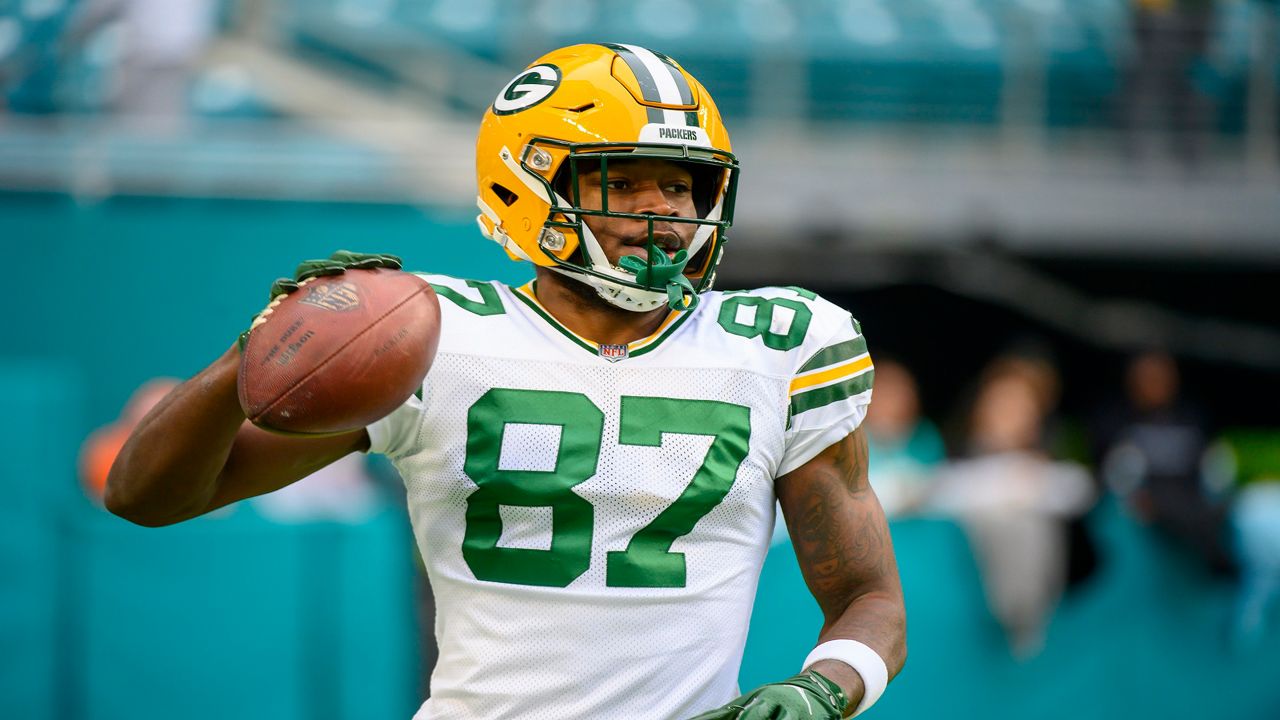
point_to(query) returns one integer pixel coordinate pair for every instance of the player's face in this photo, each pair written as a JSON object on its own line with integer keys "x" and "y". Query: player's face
{"x": 658, "y": 187}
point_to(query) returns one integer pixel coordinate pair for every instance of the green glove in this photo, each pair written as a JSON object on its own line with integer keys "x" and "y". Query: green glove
{"x": 335, "y": 264}
{"x": 806, "y": 696}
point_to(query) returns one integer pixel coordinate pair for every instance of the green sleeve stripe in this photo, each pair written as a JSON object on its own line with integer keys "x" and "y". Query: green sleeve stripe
{"x": 824, "y": 396}
{"x": 834, "y": 354}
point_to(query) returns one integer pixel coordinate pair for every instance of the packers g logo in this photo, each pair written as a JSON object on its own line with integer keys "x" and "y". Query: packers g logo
{"x": 528, "y": 89}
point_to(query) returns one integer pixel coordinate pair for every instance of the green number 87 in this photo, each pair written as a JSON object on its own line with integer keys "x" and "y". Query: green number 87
{"x": 648, "y": 560}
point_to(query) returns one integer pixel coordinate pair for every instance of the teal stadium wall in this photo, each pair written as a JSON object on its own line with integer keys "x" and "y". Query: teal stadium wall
{"x": 236, "y": 616}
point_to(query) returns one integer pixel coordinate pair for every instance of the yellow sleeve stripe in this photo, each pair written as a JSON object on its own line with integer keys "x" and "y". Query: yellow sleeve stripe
{"x": 839, "y": 372}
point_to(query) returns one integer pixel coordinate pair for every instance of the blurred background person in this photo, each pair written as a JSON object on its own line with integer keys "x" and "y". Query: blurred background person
{"x": 1255, "y": 518}
{"x": 348, "y": 490}
{"x": 1153, "y": 446}
{"x": 1014, "y": 502}
{"x": 102, "y": 445}
{"x": 1031, "y": 358}
{"x": 1163, "y": 105}
{"x": 343, "y": 491}
{"x": 29, "y": 61}
{"x": 158, "y": 44}
{"x": 904, "y": 447}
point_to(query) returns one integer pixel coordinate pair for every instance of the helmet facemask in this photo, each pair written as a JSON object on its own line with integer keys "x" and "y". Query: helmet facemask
{"x": 634, "y": 283}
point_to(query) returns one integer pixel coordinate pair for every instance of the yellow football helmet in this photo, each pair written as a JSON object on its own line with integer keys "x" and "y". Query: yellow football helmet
{"x": 592, "y": 104}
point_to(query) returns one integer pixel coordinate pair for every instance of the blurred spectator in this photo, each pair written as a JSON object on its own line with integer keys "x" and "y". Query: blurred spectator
{"x": 1159, "y": 97}
{"x": 1014, "y": 501}
{"x": 29, "y": 64}
{"x": 1254, "y": 457}
{"x": 344, "y": 491}
{"x": 1153, "y": 447}
{"x": 160, "y": 42}
{"x": 1256, "y": 518}
{"x": 1033, "y": 359}
{"x": 905, "y": 448}
{"x": 101, "y": 447}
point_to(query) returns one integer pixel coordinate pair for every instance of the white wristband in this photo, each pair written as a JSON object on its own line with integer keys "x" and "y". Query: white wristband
{"x": 867, "y": 663}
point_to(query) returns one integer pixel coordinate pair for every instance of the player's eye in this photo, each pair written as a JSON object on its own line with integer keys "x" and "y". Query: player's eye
{"x": 680, "y": 188}
{"x": 616, "y": 184}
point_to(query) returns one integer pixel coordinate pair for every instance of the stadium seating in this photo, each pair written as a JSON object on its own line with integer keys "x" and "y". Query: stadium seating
{"x": 961, "y": 62}
{"x": 911, "y": 61}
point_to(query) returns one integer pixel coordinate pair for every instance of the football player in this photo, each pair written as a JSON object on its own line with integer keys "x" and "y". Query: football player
{"x": 594, "y": 459}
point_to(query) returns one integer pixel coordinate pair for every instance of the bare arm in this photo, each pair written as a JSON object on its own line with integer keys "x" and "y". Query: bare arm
{"x": 195, "y": 452}
{"x": 842, "y": 542}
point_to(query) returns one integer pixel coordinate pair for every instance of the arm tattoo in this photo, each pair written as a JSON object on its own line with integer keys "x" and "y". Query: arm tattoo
{"x": 842, "y": 542}
{"x": 838, "y": 528}
{"x": 850, "y": 455}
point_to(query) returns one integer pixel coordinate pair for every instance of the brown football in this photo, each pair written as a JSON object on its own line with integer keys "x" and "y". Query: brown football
{"x": 340, "y": 352}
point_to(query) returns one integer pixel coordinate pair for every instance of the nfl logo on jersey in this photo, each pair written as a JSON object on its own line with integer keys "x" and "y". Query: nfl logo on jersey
{"x": 613, "y": 353}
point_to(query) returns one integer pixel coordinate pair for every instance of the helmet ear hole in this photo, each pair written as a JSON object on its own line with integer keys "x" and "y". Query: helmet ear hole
{"x": 504, "y": 194}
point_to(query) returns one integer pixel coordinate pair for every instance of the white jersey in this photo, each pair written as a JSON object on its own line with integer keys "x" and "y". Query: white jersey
{"x": 593, "y": 519}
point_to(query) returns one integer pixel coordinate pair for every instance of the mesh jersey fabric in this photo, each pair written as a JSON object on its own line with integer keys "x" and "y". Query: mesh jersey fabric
{"x": 593, "y": 531}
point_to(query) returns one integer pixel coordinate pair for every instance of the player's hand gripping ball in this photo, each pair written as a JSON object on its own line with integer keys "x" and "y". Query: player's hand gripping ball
{"x": 807, "y": 696}
{"x": 342, "y": 344}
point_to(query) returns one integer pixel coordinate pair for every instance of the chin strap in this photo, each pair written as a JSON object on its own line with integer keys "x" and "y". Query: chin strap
{"x": 662, "y": 271}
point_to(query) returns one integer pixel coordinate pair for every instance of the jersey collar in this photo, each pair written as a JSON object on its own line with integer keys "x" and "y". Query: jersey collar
{"x": 527, "y": 294}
